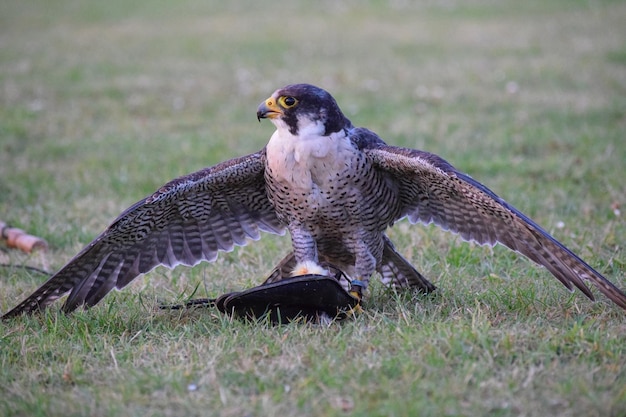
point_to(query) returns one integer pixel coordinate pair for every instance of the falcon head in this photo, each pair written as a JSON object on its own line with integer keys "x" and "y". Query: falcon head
{"x": 303, "y": 107}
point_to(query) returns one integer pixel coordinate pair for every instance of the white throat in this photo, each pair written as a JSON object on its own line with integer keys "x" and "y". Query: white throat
{"x": 303, "y": 161}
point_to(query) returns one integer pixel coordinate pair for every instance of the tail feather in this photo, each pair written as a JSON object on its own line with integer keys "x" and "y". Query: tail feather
{"x": 395, "y": 270}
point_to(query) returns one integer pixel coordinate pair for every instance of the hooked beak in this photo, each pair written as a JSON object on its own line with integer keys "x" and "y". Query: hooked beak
{"x": 269, "y": 109}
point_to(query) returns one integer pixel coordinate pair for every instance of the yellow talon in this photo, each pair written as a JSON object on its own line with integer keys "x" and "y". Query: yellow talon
{"x": 357, "y": 309}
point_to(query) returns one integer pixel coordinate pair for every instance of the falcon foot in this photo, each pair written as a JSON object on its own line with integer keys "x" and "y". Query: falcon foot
{"x": 308, "y": 298}
{"x": 356, "y": 291}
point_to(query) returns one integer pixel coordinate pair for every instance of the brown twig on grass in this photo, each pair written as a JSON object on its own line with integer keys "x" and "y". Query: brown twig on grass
{"x": 17, "y": 238}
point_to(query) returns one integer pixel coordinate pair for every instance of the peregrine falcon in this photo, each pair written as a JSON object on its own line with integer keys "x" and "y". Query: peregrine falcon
{"x": 334, "y": 187}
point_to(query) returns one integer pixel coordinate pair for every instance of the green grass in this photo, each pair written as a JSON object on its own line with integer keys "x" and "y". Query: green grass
{"x": 101, "y": 103}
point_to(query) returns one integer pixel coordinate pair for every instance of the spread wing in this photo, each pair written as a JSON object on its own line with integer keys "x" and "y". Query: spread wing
{"x": 431, "y": 190}
{"x": 188, "y": 220}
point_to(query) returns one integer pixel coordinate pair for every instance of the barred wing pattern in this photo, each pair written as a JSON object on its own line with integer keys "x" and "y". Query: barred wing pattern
{"x": 188, "y": 220}
{"x": 432, "y": 191}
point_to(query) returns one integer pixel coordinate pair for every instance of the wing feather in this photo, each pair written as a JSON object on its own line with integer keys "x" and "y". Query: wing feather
{"x": 188, "y": 220}
{"x": 432, "y": 191}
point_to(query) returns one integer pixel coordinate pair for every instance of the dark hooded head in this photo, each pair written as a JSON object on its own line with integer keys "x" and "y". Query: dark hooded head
{"x": 298, "y": 103}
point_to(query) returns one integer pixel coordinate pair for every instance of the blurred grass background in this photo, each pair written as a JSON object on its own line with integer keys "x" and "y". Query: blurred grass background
{"x": 103, "y": 102}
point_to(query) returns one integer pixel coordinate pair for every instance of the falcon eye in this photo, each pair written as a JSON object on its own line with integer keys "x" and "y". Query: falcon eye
{"x": 287, "y": 101}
